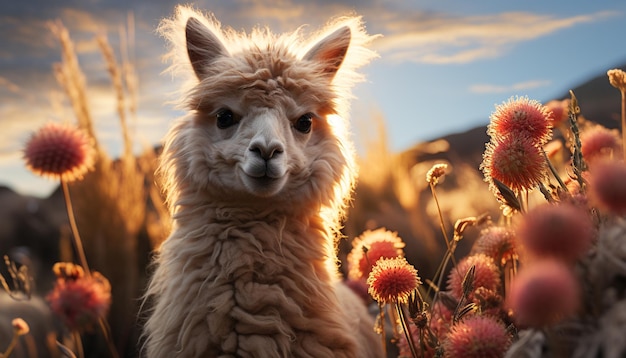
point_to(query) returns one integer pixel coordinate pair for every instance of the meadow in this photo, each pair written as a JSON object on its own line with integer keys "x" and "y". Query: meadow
{"x": 516, "y": 249}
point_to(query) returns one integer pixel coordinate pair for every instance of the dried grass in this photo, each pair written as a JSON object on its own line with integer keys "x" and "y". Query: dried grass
{"x": 119, "y": 210}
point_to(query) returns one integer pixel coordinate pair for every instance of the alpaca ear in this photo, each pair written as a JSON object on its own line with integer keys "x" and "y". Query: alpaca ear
{"x": 331, "y": 50}
{"x": 203, "y": 47}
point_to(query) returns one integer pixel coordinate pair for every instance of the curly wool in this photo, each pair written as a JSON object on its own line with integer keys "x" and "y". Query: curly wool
{"x": 248, "y": 271}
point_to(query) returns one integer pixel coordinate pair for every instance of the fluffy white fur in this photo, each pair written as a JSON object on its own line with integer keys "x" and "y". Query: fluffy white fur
{"x": 249, "y": 269}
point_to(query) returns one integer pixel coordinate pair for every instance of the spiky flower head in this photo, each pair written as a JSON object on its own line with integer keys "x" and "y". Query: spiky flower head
{"x": 617, "y": 78}
{"x": 477, "y": 336}
{"x": 371, "y": 246}
{"x": 515, "y": 161}
{"x": 59, "y": 152}
{"x": 80, "y": 301}
{"x": 497, "y": 242}
{"x": 563, "y": 231}
{"x": 392, "y": 280}
{"x": 20, "y": 327}
{"x": 521, "y": 117}
{"x": 436, "y": 173}
{"x": 486, "y": 275}
{"x": 68, "y": 271}
{"x": 543, "y": 293}
{"x": 607, "y": 186}
{"x": 600, "y": 142}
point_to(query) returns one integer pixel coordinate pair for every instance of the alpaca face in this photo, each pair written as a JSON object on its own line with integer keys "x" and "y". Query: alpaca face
{"x": 263, "y": 147}
{"x": 262, "y": 119}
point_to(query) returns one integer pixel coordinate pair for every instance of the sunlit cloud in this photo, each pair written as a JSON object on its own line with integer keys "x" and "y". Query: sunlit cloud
{"x": 7, "y": 85}
{"x": 80, "y": 20}
{"x": 521, "y": 86}
{"x": 446, "y": 40}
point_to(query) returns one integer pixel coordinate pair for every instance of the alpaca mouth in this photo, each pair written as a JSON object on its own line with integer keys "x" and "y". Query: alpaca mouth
{"x": 265, "y": 180}
{"x": 264, "y": 185}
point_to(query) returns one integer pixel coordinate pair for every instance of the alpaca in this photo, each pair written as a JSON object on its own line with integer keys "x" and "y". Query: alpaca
{"x": 258, "y": 175}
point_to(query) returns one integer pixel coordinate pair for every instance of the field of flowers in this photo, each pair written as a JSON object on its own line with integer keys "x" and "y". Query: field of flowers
{"x": 545, "y": 278}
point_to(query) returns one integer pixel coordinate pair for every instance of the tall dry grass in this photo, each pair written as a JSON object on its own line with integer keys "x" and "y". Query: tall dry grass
{"x": 120, "y": 213}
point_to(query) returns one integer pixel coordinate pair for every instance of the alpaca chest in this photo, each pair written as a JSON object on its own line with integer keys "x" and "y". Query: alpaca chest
{"x": 242, "y": 293}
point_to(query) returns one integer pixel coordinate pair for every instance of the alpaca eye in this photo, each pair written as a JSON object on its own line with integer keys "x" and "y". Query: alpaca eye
{"x": 225, "y": 118}
{"x": 303, "y": 124}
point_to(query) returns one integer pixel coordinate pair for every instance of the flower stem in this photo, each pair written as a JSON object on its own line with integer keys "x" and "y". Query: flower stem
{"x": 450, "y": 247}
{"x": 405, "y": 328}
{"x": 624, "y": 122}
{"x": 383, "y": 334}
{"x": 554, "y": 172}
{"x": 107, "y": 336}
{"x": 79, "y": 344}
{"x": 11, "y": 346}
{"x": 78, "y": 244}
{"x": 441, "y": 222}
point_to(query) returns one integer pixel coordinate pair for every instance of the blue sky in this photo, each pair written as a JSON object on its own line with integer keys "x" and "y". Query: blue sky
{"x": 443, "y": 64}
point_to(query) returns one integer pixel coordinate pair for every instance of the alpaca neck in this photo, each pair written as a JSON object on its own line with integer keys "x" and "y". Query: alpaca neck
{"x": 256, "y": 235}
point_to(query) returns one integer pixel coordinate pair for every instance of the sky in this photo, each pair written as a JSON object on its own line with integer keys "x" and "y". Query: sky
{"x": 443, "y": 65}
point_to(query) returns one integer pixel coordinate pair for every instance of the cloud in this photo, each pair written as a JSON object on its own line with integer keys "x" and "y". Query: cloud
{"x": 442, "y": 39}
{"x": 526, "y": 85}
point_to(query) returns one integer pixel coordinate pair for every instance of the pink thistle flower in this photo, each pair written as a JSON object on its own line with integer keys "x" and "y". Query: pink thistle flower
{"x": 496, "y": 242}
{"x": 392, "y": 280}
{"x": 607, "y": 186}
{"x": 599, "y": 142}
{"x": 477, "y": 337}
{"x": 369, "y": 248}
{"x": 515, "y": 161}
{"x": 59, "y": 152}
{"x": 558, "y": 112}
{"x": 543, "y": 293}
{"x": 487, "y": 275}
{"x": 521, "y": 117}
{"x": 563, "y": 231}
{"x": 81, "y": 302}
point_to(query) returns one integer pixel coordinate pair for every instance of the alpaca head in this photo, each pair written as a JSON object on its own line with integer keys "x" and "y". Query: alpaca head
{"x": 267, "y": 113}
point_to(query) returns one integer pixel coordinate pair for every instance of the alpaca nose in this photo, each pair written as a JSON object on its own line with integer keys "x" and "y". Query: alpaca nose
{"x": 266, "y": 150}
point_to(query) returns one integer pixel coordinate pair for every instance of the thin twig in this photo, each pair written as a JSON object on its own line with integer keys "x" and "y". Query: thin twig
{"x": 553, "y": 171}
{"x": 104, "y": 326}
{"x": 78, "y": 244}
{"x": 405, "y": 328}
